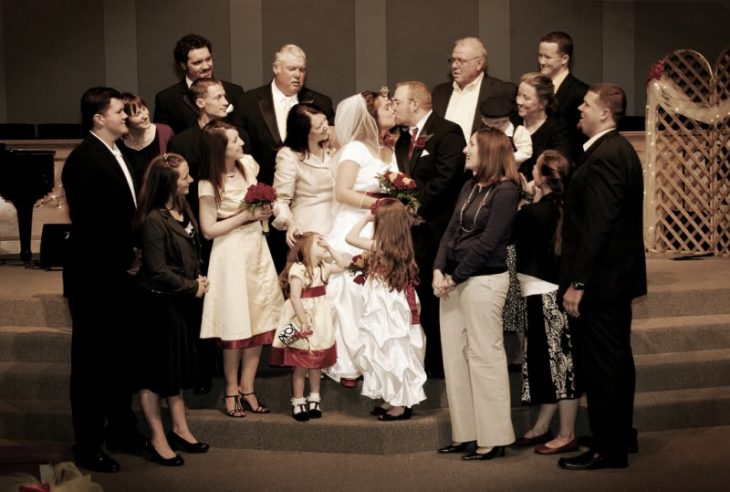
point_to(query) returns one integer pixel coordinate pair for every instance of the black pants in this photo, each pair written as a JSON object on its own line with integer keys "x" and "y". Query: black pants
{"x": 607, "y": 373}
{"x": 426, "y": 246}
{"x": 102, "y": 364}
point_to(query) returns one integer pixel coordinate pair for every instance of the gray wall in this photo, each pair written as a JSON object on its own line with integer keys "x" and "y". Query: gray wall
{"x": 51, "y": 51}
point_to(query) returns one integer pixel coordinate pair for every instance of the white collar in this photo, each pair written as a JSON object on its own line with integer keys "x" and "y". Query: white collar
{"x": 421, "y": 123}
{"x": 188, "y": 81}
{"x": 114, "y": 150}
{"x": 280, "y": 96}
{"x": 595, "y": 137}
{"x": 476, "y": 82}
{"x": 560, "y": 78}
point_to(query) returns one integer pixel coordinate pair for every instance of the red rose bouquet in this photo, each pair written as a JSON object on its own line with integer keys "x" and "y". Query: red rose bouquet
{"x": 400, "y": 186}
{"x": 259, "y": 195}
{"x": 359, "y": 267}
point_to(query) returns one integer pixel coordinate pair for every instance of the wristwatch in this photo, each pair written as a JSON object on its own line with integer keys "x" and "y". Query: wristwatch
{"x": 578, "y": 285}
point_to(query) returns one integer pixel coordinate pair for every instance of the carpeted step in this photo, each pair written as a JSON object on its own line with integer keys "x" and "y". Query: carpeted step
{"x": 683, "y": 333}
{"x": 35, "y": 344}
{"x": 677, "y": 370}
{"x": 682, "y": 302}
{"x": 41, "y": 310}
{"x": 678, "y": 409}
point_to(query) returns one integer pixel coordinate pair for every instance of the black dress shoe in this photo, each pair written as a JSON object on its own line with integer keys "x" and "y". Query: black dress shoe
{"x": 407, "y": 414}
{"x": 96, "y": 460}
{"x": 495, "y": 452}
{"x": 531, "y": 441}
{"x": 378, "y": 411}
{"x": 176, "y": 460}
{"x": 179, "y": 444}
{"x": 591, "y": 460}
{"x": 456, "y": 448}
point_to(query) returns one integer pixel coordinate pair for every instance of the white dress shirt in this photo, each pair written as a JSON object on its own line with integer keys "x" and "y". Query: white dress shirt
{"x": 595, "y": 137}
{"x": 282, "y": 105}
{"x": 120, "y": 160}
{"x": 463, "y": 105}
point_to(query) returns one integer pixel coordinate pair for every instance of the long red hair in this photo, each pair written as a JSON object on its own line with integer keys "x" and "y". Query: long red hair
{"x": 393, "y": 259}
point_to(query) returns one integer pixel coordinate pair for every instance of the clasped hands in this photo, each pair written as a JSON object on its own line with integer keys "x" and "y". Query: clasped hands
{"x": 442, "y": 284}
{"x": 261, "y": 213}
{"x": 203, "y": 286}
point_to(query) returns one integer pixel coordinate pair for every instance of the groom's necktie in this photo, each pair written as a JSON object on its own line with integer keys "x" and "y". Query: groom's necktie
{"x": 412, "y": 146}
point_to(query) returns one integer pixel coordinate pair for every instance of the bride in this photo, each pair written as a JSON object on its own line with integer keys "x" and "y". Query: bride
{"x": 362, "y": 125}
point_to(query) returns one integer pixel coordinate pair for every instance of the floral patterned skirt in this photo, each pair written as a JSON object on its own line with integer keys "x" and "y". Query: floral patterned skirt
{"x": 548, "y": 372}
{"x": 514, "y": 316}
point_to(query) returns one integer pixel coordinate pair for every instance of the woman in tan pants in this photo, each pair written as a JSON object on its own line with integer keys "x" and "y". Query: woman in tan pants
{"x": 470, "y": 277}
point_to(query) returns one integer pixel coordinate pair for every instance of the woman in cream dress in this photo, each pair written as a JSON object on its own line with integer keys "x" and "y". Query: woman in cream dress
{"x": 362, "y": 124}
{"x": 304, "y": 180}
{"x": 244, "y": 300}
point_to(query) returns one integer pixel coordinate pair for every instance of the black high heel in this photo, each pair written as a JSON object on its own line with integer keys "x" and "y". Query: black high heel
{"x": 176, "y": 460}
{"x": 407, "y": 414}
{"x": 260, "y": 409}
{"x": 177, "y": 443}
{"x": 495, "y": 452}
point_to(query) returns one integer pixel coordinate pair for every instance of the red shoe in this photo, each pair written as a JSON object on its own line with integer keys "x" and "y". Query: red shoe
{"x": 565, "y": 448}
{"x": 348, "y": 383}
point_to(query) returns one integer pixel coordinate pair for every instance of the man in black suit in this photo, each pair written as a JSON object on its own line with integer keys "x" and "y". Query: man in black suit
{"x": 101, "y": 195}
{"x": 602, "y": 269}
{"x": 459, "y": 100}
{"x": 265, "y": 110}
{"x": 430, "y": 149}
{"x": 209, "y": 97}
{"x": 173, "y": 106}
{"x": 555, "y": 58}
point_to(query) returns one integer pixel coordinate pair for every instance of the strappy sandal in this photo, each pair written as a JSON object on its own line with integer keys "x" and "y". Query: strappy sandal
{"x": 237, "y": 411}
{"x": 246, "y": 405}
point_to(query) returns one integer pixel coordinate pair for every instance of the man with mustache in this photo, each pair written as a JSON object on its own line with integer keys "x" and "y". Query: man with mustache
{"x": 173, "y": 106}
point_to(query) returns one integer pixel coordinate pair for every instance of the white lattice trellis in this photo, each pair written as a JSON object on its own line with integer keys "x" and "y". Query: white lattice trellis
{"x": 687, "y": 208}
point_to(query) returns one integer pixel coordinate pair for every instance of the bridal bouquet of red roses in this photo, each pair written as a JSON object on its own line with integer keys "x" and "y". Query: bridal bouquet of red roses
{"x": 359, "y": 267}
{"x": 259, "y": 195}
{"x": 400, "y": 186}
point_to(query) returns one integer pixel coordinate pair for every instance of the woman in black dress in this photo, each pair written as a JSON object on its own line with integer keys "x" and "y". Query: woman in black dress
{"x": 548, "y": 373}
{"x": 170, "y": 288}
{"x": 145, "y": 140}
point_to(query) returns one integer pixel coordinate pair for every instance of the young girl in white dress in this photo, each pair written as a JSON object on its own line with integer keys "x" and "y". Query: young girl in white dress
{"x": 313, "y": 348}
{"x": 393, "y": 342}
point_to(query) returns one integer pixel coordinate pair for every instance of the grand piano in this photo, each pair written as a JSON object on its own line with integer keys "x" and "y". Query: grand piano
{"x": 26, "y": 176}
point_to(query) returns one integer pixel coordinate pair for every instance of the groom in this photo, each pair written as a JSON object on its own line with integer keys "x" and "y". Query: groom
{"x": 430, "y": 149}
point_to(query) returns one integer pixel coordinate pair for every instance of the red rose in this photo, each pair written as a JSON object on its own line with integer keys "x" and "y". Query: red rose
{"x": 359, "y": 279}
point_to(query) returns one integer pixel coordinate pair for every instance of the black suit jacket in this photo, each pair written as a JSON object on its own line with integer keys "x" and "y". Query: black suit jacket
{"x": 570, "y": 95}
{"x": 101, "y": 208}
{"x": 187, "y": 143}
{"x": 259, "y": 122}
{"x": 491, "y": 87}
{"x": 171, "y": 257}
{"x": 603, "y": 244}
{"x": 438, "y": 169}
{"x": 174, "y": 107}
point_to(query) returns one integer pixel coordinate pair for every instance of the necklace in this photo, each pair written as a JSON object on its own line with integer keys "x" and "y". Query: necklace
{"x": 466, "y": 204}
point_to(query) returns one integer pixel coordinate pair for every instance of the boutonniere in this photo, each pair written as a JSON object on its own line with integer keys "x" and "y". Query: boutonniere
{"x": 421, "y": 140}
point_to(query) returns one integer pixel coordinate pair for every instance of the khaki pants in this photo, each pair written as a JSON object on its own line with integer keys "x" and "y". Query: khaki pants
{"x": 475, "y": 363}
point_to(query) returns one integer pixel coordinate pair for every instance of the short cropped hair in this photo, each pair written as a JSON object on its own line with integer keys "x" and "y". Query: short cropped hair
{"x": 289, "y": 49}
{"x": 613, "y": 97}
{"x": 477, "y": 43}
{"x": 199, "y": 88}
{"x": 418, "y": 91}
{"x": 96, "y": 100}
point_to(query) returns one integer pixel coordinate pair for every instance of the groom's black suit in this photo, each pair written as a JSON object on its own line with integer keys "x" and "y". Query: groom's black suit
{"x": 438, "y": 168}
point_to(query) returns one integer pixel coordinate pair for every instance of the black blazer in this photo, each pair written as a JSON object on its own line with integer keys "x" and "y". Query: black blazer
{"x": 570, "y": 95}
{"x": 603, "y": 245}
{"x": 174, "y": 107}
{"x": 101, "y": 208}
{"x": 491, "y": 87}
{"x": 170, "y": 257}
{"x": 553, "y": 134}
{"x": 259, "y": 122}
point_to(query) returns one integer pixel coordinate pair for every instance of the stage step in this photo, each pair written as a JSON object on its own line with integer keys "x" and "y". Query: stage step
{"x": 670, "y": 334}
